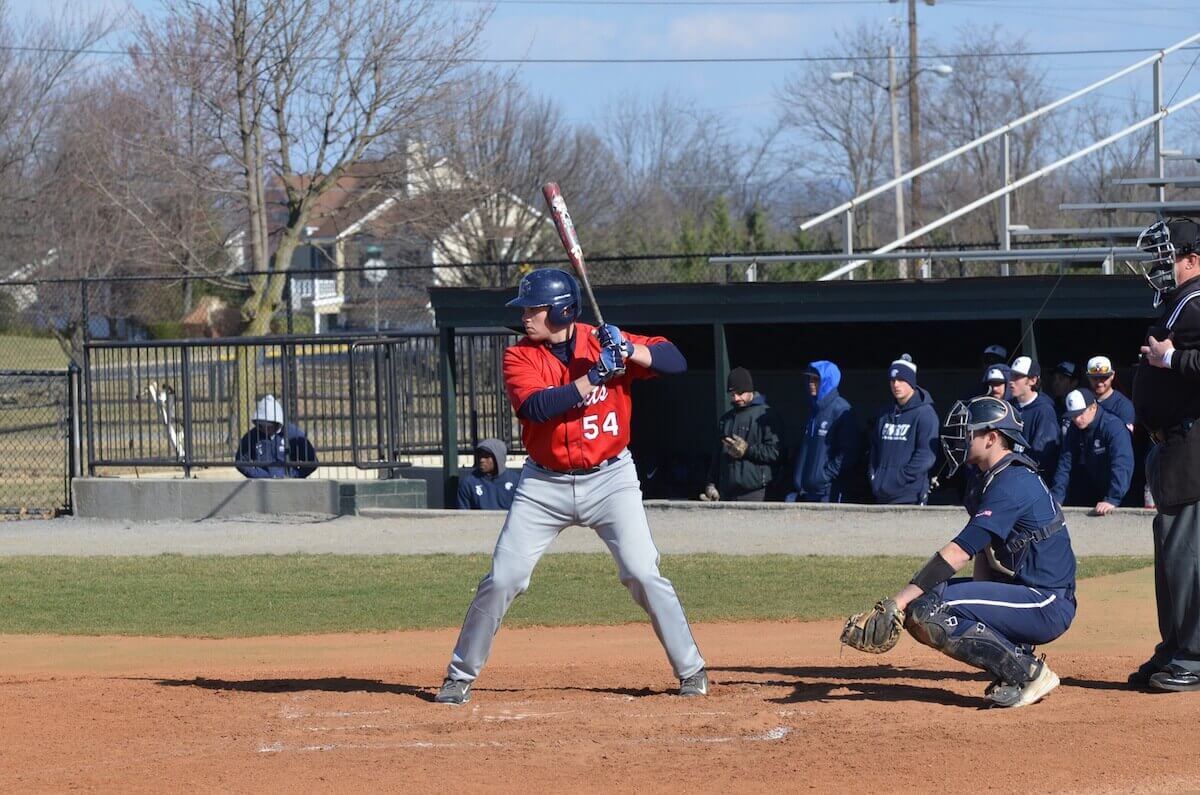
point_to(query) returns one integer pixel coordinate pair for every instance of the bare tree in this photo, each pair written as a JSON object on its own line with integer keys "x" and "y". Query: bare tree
{"x": 984, "y": 93}
{"x": 490, "y": 153}
{"x": 295, "y": 92}
{"x": 841, "y": 129}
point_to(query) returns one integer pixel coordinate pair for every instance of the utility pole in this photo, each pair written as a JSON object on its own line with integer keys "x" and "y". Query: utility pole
{"x": 897, "y": 169}
{"x": 914, "y": 109}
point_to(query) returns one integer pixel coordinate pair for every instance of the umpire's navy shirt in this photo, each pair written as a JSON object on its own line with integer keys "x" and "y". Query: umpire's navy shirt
{"x": 1018, "y": 500}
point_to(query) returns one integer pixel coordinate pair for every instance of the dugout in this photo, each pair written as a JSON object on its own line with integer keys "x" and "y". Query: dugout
{"x": 775, "y": 329}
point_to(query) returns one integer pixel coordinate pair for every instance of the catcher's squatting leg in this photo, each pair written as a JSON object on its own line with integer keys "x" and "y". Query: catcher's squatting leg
{"x": 610, "y": 502}
{"x": 990, "y": 625}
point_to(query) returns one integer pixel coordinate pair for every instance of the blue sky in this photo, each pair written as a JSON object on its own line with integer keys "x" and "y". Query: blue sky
{"x": 744, "y": 93}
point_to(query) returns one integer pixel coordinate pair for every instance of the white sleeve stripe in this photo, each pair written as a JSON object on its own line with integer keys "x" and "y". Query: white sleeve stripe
{"x": 1014, "y": 605}
{"x": 1178, "y": 309}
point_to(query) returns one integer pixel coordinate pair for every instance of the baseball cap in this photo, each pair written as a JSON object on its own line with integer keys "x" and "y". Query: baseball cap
{"x": 1099, "y": 366}
{"x": 996, "y": 374}
{"x": 1078, "y": 401}
{"x": 1024, "y": 365}
{"x": 996, "y": 350}
{"x": 1066, "y": 368}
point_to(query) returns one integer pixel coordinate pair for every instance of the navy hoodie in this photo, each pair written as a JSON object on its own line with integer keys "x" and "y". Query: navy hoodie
{"x": 494, "y": 492}
{"x": 262, "y": 456}
{"x": 1118, "y": 404}
{"x": 830, "y": 445}
{"x": 1042, "y": 432}
{"x": 904, "y": 450}
{"x": 1096, "y": 463}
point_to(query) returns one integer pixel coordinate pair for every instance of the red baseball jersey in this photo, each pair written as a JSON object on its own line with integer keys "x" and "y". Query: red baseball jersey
{"x": 597, "y": 428}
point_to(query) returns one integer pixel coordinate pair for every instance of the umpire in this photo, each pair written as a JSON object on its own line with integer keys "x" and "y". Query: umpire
{"x": 1166, "y": 396}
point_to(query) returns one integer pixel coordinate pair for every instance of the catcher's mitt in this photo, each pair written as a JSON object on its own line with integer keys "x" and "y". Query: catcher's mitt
{"x": 876, "y": 631}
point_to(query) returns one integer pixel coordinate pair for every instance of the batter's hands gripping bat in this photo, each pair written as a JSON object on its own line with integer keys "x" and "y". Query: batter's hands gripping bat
{"x": 570, "y": 241}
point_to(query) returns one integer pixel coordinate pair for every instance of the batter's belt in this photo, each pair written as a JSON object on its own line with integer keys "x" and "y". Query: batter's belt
{"x": 588, "y": 471}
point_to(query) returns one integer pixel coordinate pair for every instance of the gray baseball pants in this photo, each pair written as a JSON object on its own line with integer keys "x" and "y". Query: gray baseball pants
{"x": 609, "y": 501}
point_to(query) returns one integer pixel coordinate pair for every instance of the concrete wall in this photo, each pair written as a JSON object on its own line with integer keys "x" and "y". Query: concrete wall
{"x": 158, "y": 499}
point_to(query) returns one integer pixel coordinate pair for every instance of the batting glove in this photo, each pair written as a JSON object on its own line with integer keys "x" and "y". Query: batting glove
{"x": 609, "y": 334}
{"x": 610, "y": 365}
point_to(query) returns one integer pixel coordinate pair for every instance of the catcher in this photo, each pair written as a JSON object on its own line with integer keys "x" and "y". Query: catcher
{"x": 1023, "y": 591}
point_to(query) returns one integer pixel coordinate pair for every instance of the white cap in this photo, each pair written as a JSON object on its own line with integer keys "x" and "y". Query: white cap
{"x": 995, "y": 374}
{"x": 996, "y": 350}
{"x": 1022, "y": 365}
{"x": 268, "y": 410}
{"x": 1078, "y": 400}
{"x": 1099, "y": 365}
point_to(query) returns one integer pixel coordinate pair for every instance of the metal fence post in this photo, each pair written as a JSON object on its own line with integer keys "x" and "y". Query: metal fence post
{"x": 449, "y": 374}
{"x": 1160, "y": 169}
{"x": 185, "y": 371}
{"x": 848, "y": 236}
{"x": 1005, "y": 201}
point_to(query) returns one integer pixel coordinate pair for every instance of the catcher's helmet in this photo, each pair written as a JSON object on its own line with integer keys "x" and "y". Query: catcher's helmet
{"x": 1164, "y": 241}
{"x": 549, "y": 287}
{"x": 982, "y": 413}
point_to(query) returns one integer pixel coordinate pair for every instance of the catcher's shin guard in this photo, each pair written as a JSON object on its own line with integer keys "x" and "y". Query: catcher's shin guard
{"x": 967, "y": 641}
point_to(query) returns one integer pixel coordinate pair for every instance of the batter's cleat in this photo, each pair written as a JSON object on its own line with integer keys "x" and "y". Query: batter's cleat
{"x": 1038, "y": 687}
{"x": 454, "y": 691}
{"x": 1175, "y": 679}
{"x": 694, "y": 685}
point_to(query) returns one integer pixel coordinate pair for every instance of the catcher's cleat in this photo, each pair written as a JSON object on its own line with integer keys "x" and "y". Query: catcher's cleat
{"x": 1038, "y": 687}
{"x": 694, "y": 685}
{"x": 454, "y": 691}
{"x": 1002, "y": 694}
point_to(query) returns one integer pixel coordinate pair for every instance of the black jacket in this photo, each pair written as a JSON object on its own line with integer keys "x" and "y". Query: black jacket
{"x": 1167, "y": 401}
{"x": 760, "y": 426}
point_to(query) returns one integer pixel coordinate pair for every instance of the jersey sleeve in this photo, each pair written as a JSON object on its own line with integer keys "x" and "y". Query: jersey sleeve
{"x": 521, "y": 376}
{"x": 635, "y": 370}
{"x": 995, "y": 518}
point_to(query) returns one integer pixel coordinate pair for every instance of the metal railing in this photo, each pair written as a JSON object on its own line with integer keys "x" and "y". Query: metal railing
{"x": 361, "y": 403}
{"x": 846, "y": 209}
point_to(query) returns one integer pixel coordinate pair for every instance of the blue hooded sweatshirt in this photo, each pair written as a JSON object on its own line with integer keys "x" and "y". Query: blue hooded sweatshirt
{"x": 904, "y": 450}
{"x": 492, "y": 492}
{"x": 831, "y": 438}
{"x": 1042, "y": 432}
{"x": 1096, "y": 463}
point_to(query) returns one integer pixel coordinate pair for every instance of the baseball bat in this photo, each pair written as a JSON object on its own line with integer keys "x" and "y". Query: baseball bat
{"x": 570, "y": 241}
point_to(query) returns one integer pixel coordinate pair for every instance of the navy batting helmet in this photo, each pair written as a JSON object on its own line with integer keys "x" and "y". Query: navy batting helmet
{"x": 981, "y": 414}
{"x": 549, "y": 287}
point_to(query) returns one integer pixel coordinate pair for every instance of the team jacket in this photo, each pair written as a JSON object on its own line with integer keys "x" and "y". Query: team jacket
{"x": 260, "y": 456}
{"x": 597, "y": 429}
{"x": 1019, "y": 526}
{"x": 904, "y": 450}
{"x": 1042, "y": 431}
{"x": 1168, "y": 401}
{"x": 477, "y": 491}
{"x": 831, "y": 440}
{"x": 1095, "y": 464}
{"x": 760, "y": 426}
{"x": 1118, "y": 404}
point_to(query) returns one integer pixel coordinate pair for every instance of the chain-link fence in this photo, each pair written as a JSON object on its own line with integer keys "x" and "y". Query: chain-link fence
{"x": 35, "y": 442}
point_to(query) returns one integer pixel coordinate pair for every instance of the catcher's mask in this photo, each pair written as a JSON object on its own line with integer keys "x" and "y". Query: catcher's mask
{"x": 1165, "y": 241}
{"x": 980, "y": 414}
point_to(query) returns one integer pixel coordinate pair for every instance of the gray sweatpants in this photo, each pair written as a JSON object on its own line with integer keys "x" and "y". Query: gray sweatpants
{"x": 610, "y": 502}
{"x": 1177, "y": 585}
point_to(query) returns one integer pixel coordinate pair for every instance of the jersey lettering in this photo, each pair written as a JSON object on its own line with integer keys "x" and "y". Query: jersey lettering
{"x": 896, "y": 431}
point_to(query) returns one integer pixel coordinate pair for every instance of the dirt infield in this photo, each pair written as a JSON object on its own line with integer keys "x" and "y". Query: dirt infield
{"x": 586, "y": 708}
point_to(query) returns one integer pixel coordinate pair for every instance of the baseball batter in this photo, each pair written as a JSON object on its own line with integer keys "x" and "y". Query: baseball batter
{"x": 569, "y": 384}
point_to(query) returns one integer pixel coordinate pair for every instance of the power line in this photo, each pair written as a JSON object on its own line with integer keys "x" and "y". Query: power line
{"x": 643, "y": 61}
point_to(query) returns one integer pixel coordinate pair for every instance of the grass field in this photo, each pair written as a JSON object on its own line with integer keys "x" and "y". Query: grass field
{"x": 300, "y": 594}
{"x": 31, "y": 353}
